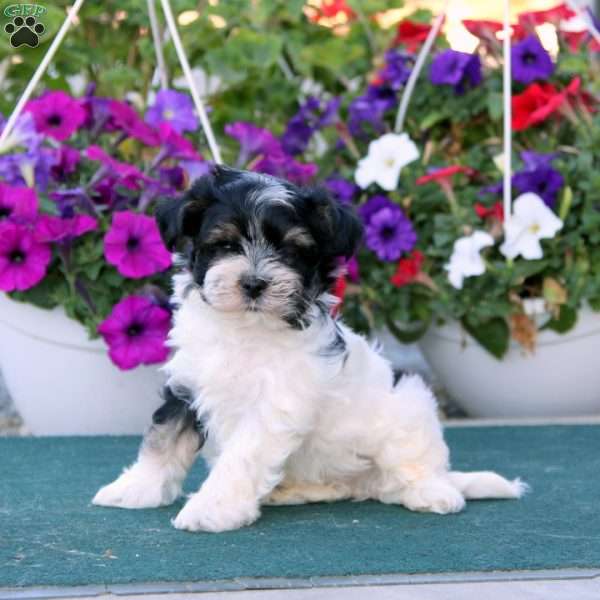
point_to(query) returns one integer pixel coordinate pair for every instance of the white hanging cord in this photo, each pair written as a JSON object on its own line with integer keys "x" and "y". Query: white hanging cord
{"x": 185, "y": 65}
{"x": 158, "y": 46}
{"x": 507, "y": 99}
{"x": 40, "y": 71}
{"x": 416, "y": 70}
{"x": 585, "y": 17}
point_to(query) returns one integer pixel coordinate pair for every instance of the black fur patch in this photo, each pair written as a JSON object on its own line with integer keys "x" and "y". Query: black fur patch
{"x": 177, "y": 407}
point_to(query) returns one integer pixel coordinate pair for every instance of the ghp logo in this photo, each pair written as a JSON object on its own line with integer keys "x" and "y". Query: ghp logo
{"x": 25, "y": 26}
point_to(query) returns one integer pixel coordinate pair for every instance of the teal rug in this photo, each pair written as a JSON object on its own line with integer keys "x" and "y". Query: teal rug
{"x": 50, "y": 534}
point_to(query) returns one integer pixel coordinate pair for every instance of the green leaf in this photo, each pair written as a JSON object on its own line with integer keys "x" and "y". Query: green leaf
{"x": 333, "y": 54}
{"x": 495, "y": 106}
{"x": 493, "y": 335}
{"x": 407, "y": 333}
{"x": 566, "y": 320}
{"x": 433, "y": 118}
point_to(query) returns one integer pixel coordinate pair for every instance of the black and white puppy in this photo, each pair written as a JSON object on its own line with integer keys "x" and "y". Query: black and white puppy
{"x": 296, "y": 407}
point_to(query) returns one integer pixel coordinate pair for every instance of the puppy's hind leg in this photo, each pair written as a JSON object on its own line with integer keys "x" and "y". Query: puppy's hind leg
{"x": 413, "y": 459}
{"x": 165, "y": 457}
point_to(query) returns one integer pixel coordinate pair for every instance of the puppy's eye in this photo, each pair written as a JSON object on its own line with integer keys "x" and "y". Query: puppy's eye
{"x": 226, "y": 246}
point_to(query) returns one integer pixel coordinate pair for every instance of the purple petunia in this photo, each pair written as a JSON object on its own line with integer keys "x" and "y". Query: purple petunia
{"x": 369, "y": 109}
{"x": 397, "y": 68}
{"x": 136, "y": 332}
{"x": 341, "y": 189}
{"x": 530, "y": 61}
{"x": 458, "y": 69}
{"x": 546, "y": 182}
{"x": 311, "y": 117}
{"x": 134, "y": 246}
{"x": 533, "y": 160}
{"x": 65, "y": 163}
{"x": 372, "y": 206}
{"x": 539, "y": 177}
{"x": 175, "y": 108}
{"x": 253, "y": 141}
{"x": 287, "y": 167}
{"x": 19, "y": 204}
{"x": 56, "y": 114}
{"x": 390, "y": 233}
{"x": 22, "y": 135}
{"x": 23, "y": 260}
{"x": 32, "y": 167}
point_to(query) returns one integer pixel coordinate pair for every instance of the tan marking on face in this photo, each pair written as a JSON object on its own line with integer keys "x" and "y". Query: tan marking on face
{"x": 299, "y": 236}
{"x": 227, "y": 232}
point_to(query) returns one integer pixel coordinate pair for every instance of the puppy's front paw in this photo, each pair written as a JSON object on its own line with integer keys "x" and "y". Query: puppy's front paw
{"x": 133, "y": 490}
{"x": 203, "y": 513}
{"x": 433, "y": 495}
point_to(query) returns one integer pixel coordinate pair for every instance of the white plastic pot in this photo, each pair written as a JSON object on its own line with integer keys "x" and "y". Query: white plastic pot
{"x": 62, "y": 383}
{"x": 561, "y": 379}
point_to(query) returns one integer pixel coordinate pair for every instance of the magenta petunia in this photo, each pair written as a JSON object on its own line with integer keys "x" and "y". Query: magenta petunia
{"x": 129, "y": 175}
{"x": 23, "y": 260}
{"x": 134, "y": 246}
{"x": 57, "y": 114}
{"x": 176, "y": 145}
{"x": 56, "y": 229}
{"x": 136, "y": 331}
{"x": 18, "y": 203}
{"x": 124, "y": 117}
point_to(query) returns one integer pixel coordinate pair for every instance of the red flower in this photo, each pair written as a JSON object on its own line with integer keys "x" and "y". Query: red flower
{"x": 339, "y": 291}
{"x": 535, "y": 105}
{"x": 411, "y": 34}
{"x": 482, "y": 29}
{"x": 408, "y": 269}
{"x": 444, "y": 174}
{"x": 553, "y": 15}
{"x": 330, "y": 9}
{"x": 495, "y": 212}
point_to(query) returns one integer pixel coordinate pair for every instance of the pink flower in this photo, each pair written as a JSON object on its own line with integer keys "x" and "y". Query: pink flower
{"x": 56, "y": 114}
{"x": 129, "y": 175}
{"x": 18, "y": 203}
{"x": 135, "y": 332}
{"x": 56, "y": 229}
{"x": 23, "y": 260}
{"x": 177, "y": 146}
{"x": 134, "y": 246}
{"x": 124, "y": 117}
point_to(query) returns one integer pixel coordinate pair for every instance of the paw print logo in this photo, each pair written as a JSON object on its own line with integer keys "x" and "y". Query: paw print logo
{"x": 24, "y": 31}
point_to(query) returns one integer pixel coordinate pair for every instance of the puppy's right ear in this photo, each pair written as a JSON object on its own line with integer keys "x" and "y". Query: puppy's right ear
{"x": 180, "y": 218}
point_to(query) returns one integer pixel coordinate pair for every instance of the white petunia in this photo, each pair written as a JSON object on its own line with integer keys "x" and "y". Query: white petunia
{"x": 466, "y": 259}
{"x": 384, "y": 161}
{"x": 531, "y": 222}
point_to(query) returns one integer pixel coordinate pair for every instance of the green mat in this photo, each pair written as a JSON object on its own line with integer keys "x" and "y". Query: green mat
{"x": 50, "y": 534}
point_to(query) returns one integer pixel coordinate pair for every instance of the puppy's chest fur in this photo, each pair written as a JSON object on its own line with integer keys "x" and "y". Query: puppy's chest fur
{"x": 242, "y": 367}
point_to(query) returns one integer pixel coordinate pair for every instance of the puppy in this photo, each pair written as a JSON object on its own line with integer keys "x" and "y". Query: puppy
{"x": 286, "y": 404}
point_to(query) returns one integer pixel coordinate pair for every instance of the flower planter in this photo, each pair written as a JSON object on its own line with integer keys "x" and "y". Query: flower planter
{"x": 560, "y": 379}
{"x": 62, "y": 383}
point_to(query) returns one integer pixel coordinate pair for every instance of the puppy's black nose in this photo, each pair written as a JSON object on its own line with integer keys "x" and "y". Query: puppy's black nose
{"x": 253, "y": 286}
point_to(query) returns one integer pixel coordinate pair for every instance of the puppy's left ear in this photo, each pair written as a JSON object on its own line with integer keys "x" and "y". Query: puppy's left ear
{"x": 180, "y": 218}
{"x": 336, "y": 227}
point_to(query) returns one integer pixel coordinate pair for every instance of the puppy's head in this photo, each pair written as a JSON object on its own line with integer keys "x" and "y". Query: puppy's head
{"x": 257, "y": 243}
